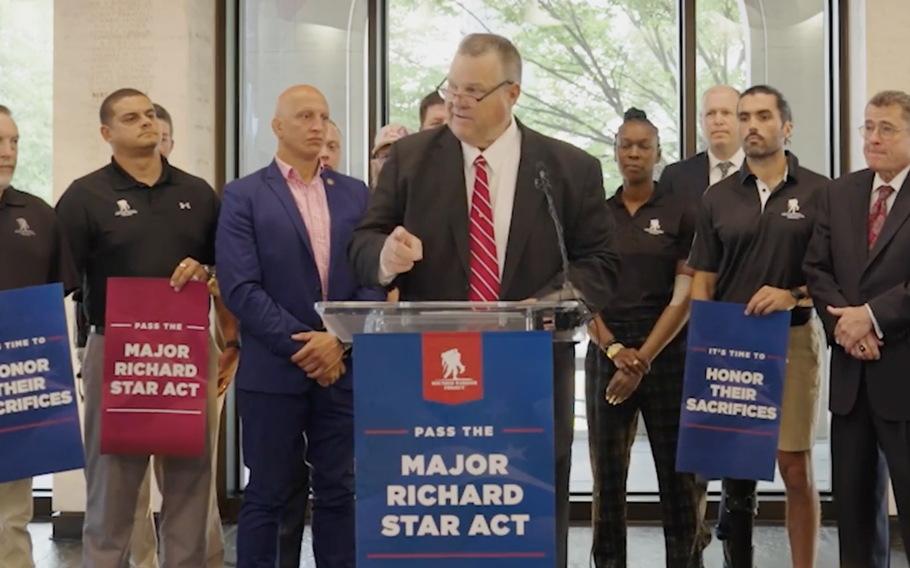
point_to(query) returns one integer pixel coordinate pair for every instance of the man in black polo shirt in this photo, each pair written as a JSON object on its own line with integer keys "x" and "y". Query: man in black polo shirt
{"x": 138, "y": 217}
{"x": 752, "y": 234}
{"x": 33, "y": 252}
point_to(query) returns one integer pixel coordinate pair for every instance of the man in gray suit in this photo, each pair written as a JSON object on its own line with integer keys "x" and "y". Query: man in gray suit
{"x": 505, "y": 244}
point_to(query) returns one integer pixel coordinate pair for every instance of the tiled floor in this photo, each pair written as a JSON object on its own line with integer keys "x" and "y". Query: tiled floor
{"x": 645, "y": 549}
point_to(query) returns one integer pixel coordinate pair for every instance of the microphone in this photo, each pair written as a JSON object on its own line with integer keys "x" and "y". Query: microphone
{"x": 568, "y": 291}
{"x": 542, "y": 183}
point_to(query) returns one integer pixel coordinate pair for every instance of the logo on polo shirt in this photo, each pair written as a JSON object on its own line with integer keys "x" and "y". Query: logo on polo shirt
{"x": 124, "y": 209}
{"x": 792, "y": 211}
{"x": 24, "y": 229}
{"x": 654, "y": 228}
{"x": 185, "y": 205}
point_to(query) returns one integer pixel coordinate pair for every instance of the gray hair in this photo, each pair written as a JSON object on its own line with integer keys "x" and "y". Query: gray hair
{"x": 888, "y": 98}
{"x": 476, "y": 45}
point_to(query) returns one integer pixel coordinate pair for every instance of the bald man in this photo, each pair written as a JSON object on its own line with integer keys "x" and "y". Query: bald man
{"x": 723, "y": 156}
{"x": 281, "y": 247}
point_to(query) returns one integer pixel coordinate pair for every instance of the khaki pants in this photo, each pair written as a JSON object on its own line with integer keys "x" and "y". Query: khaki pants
{"x": 144, "y": 541}
{"x": 113, "y": 485}
{"x": 15, "y": 515}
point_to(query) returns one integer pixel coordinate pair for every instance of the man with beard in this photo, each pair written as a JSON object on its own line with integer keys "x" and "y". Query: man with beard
{"x": 752, "y": 234}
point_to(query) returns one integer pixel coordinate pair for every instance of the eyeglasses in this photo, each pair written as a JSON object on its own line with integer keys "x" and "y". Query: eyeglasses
{"x": 885, "y": 131}
{"x": 473, "y": 95}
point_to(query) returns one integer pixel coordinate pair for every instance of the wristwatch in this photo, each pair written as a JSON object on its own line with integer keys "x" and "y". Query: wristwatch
{"x": 209, "y": 271}
{"x": 798, "y": 294}
{"x": 612, "y": 348}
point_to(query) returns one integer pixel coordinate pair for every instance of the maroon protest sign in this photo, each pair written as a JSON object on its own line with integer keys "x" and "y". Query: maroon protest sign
{"x": 156, "y": 354}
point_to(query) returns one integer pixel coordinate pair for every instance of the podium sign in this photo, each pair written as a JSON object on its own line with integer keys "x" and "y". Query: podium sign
{"x": 156, "y": 354}
{"x": 454, "y": 449}
{"x": 39, "y": 420}
{"x": 734, "y": 381}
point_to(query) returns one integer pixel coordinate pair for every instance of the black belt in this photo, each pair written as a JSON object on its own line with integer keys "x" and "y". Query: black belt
{"x": 800, "y": 316}
{"x": 97, "y": 329}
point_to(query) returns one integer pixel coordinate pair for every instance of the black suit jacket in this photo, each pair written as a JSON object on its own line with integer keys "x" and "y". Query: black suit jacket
{"x": 689, "y": 177}
{"x": 841, "y": 271}
{"x": 422, "y": 187}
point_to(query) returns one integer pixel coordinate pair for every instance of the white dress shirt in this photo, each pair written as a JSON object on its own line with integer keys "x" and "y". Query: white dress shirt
{"x": 502, "y": 157}
{"x": 895, "y": 184}
{"x": 714, "y": 173}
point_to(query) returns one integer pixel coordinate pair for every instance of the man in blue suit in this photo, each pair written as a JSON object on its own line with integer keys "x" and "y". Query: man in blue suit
{"x": 281, "y": 247}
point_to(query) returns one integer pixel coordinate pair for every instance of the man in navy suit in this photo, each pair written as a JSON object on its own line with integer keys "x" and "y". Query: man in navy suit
{"x": 281, "y": 245}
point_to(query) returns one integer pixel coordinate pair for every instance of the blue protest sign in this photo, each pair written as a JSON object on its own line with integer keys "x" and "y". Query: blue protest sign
{"x": 454, "y": 450}
{"x": 735, "y": 368}
{"x": 39, "y": 420}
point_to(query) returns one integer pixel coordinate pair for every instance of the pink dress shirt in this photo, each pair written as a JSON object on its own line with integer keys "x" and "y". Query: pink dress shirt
{"x": 314, "y": 209}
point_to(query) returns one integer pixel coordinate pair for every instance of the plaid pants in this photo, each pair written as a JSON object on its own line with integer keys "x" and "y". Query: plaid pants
{"x": 611, "y": 432}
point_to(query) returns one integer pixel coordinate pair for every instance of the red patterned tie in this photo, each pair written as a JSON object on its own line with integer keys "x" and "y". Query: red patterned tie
{"x": 878, "y": 213}
{"x": 484, "y": 266}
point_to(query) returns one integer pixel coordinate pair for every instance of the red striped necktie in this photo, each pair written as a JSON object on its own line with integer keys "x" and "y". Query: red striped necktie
{"x": 484, "y": 265}
{"x": 878, "y": 213}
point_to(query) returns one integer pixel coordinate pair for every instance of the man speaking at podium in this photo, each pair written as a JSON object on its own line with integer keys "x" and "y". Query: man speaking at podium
{"x": 507, "y": 248}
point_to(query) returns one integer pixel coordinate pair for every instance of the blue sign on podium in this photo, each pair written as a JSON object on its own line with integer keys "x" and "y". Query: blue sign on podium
{"x": 734, "y": 381}
{"x": 454, "y": 450}
{"x": 39, "y": 420}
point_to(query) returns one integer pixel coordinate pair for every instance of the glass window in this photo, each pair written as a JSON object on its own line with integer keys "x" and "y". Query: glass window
{"x": 321, "y": 43}
{"x": 585, "y": 64}
{"x": 782, "y": 44}
{"x": 27, "y": 88}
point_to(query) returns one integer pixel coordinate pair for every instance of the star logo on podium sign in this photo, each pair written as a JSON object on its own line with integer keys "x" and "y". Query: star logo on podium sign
{"x": 514, "y": 453}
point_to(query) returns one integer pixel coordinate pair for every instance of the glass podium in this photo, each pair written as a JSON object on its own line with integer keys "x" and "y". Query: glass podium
{"x": 440, "y": 387}
{"x": 347, "y": 319}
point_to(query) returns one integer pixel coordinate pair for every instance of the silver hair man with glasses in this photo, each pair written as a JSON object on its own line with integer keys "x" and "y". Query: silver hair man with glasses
{"x": 466, "y": 191}
{"x": 858, "y": 272}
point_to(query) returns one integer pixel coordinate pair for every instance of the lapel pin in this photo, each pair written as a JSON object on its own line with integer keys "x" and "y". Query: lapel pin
{"x": 330, "y": 181}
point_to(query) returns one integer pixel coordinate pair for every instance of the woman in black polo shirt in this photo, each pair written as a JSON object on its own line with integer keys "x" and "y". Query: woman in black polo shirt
{"x": 636, "y": 357}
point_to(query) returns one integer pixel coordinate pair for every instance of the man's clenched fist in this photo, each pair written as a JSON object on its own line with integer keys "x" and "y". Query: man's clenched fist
{"x": 399, "y": 253}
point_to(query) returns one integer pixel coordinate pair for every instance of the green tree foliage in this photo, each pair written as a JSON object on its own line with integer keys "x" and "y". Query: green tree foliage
{"x": 27, "y": 87}
{"x": 586, "y": 61}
